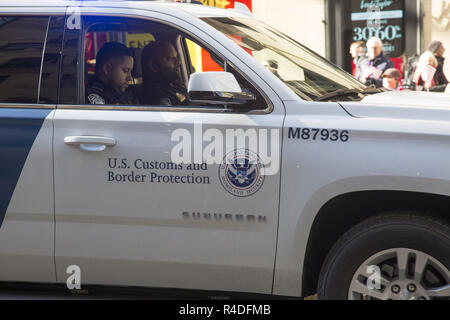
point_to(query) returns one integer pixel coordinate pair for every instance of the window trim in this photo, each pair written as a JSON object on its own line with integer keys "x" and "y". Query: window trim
{"x": 269, "y": 109}
{"x": 7, "y": 105}
{"x": 42, "y": 60}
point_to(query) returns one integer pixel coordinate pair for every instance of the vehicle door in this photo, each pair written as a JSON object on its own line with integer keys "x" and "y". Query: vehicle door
{"x": 29, "y": 60}
{"x": 126, "y": 212}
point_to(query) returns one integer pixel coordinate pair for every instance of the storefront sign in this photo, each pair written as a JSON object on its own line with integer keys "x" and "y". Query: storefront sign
{"x": 379, "y": 18}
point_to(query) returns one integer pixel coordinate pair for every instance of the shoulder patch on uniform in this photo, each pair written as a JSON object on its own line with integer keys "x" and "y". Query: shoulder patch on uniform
{"x": 95, "y": 99}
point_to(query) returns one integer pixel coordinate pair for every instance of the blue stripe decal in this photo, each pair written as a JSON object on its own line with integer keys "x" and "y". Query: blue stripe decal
{"x": 18, "y": 130}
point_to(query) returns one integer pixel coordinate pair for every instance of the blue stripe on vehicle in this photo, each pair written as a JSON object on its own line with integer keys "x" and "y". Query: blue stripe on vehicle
{"x": 18, "y": 130}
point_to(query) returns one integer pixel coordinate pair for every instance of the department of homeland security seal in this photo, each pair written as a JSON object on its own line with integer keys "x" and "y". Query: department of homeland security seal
{"x": 240, "y": 174}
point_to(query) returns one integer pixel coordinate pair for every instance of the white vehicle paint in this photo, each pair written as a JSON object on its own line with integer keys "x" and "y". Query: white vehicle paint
{"x": 76, "y": 205}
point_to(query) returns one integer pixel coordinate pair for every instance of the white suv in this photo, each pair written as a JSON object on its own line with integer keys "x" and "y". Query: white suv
{"x": 353, "y": 201}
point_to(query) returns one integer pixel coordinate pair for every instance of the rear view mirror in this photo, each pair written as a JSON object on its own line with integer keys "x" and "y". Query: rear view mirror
{"x": 217, "y": 88}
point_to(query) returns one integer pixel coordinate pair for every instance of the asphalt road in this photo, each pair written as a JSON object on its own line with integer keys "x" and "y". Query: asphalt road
{"x": 35, "y": 292}
{"x": 26, "y": 292}
{"x": 8, "y": 294}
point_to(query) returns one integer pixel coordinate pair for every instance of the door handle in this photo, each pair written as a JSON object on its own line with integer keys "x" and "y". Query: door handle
{"x": 90, "y": 143}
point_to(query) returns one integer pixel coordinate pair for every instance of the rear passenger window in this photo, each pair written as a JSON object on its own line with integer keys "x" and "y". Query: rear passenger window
{"x": 21, "y": 45}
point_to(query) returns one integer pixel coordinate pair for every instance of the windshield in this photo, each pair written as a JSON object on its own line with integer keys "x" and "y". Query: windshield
{"x": 309, "y": 75}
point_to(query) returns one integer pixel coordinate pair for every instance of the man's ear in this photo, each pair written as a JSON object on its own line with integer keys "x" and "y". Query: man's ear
{"x": 107, "y": 68}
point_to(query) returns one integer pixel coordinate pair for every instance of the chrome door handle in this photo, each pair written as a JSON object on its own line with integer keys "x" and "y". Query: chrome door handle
{"x": 90, "y": 143}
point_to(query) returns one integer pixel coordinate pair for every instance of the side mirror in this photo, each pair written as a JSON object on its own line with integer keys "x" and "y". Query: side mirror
{"x": 217, "y": 88}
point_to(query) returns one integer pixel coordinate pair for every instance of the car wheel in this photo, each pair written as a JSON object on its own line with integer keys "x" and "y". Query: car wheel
{"x": 396, "y": 256}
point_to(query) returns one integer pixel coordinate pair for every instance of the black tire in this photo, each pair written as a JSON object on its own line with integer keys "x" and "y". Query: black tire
{"x": 393, "y": 230}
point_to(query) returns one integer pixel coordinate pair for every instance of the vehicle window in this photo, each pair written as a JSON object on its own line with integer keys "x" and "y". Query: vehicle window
{"x": 305, "y": 72}
{"x": 145, "y": 63}
{"x": 113, "y": 51}
{"x": 21, "y": 45}
{"x": 201, "y": 60}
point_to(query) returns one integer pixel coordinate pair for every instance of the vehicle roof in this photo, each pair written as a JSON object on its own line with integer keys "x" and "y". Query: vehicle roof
{"x": 160, "y": 6}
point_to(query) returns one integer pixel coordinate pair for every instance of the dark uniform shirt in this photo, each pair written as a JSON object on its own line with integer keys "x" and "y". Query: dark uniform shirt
{"x": 155, "y": 92}
{"x": 97, "y": 92}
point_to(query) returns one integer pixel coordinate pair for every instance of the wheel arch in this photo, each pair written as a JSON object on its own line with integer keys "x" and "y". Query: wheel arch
{"x": 342, "y": 212}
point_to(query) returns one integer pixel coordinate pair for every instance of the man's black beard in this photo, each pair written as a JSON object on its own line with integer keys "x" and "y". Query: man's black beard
{"x": 164, "y": 76}
{"x": 170, "y": 76}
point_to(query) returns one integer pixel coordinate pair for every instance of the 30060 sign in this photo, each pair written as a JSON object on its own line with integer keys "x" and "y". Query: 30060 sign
{"x": 389, "y": 32}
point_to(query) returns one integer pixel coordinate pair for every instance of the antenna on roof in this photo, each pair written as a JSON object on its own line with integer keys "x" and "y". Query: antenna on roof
{"x": 242, "y": 8}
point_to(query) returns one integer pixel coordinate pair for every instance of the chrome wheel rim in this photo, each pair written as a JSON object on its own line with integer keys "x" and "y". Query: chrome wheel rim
{"x": 400, "y": 274}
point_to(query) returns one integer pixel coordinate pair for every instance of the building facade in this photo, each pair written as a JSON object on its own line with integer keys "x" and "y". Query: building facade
{"x": 436, "y": 26}
{"x": 329, "y": 26}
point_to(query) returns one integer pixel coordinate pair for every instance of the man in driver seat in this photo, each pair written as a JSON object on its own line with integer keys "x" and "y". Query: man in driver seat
{"x": 161, "y": 71}
{"x": 110, "y": 85}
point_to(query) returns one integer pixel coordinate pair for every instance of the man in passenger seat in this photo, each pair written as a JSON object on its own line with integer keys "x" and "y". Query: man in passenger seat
{"x": 161, "y": 71}
{"x": 110, "y": 85}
